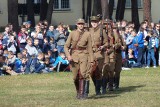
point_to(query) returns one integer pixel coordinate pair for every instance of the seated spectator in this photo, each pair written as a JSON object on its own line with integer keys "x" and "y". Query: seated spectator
{"x": 131, "y": 58}
{"x": 36, "y": 65}
{"x": 6, "y": 37}
{"x": 36, "y": 45}
{"x": 18, "y": 63}
{"x": 53, "y": 48}
{"x": 46, "y": 46}
{"x": 32, "y": 51}
{"x": 61, "y": 59}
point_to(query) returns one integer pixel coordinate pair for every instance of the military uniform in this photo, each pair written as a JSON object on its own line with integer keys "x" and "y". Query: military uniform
{"x": 108, "y": 71}
{"x": 118, "y": 47}
{"x": 97, "y": 42}
{"x": 79, "y": 44}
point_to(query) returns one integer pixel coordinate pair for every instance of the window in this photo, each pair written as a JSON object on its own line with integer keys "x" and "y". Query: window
{"x": 37, "y": 1}
{"x": 128, "y": 3}
{"x": 61, "y": 4}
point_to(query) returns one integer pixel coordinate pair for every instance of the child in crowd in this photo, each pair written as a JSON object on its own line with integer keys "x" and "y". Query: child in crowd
{"x": 46, "y": 46}
{"x": 61, "y": 59}
{"x": 36, "y": 65}
{"x": 131, "y": 58}
{"x": 1, "y": 42}
{"x": 51, "y": 32}
{"x": 32, "y": 51}
{"x": 151, "y": 48}
{"x": 12, "y": 45}
{"x": 36, "y": 45}
{"x": 22, "y": 37}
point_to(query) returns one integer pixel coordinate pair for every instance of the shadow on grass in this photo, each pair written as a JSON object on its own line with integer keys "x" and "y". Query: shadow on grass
{"x": 117, "y": 92}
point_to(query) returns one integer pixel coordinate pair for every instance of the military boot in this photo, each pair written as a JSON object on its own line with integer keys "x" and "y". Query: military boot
{"x": 104, "y": 85}
{"x": 76, "y": 83}
{"x": 81, "y": 88}
{"x": 116, "y": 82}
{"x": 110, "y": 88}
{"x": 86, "y": 89}
{"x": 98, "y": 87}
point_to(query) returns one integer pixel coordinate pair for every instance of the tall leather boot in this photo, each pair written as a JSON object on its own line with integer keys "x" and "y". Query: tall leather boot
{"x": 110, "y": 88}
{"x": 104, "y": 85}
{"x": 76, "y": 83}
{"x": 98, "y": 87}
{"x": 81, "y": 88}
{"x": 116, "y": 82}
{"x": 86, "y": 89}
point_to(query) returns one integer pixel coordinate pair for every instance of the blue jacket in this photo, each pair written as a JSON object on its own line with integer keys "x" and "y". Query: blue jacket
{"x": 60, "y": 59}
{"x": 140, "y": 39}
{"x": 17, "y": 66}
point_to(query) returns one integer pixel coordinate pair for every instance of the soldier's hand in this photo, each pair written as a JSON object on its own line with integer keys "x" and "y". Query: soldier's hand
{"x": 101, "y": 47}
{"x": 70, "y": 58}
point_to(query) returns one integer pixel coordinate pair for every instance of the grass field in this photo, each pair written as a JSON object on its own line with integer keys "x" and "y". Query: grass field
{"x": 138, "y": 88}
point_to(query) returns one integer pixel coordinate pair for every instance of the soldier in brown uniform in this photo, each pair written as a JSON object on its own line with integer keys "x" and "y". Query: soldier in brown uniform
{"x": 108, "y": 71}
{"x": 78, "y": 49}
{"x": 99, "y": 44}
{"x": 118, "y": 47}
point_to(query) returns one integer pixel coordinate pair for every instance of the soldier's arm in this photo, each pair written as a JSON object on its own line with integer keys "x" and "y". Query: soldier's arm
{"x": 90, "y": 50}
{"x": 105, "y": 40}
{"x": 67, "y": 45}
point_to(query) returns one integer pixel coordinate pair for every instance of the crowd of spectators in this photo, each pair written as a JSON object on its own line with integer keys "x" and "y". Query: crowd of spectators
{"x": 33, "y": 50}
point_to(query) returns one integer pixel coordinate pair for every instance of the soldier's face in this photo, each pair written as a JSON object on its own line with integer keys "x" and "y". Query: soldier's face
{"x": 80, "y": 26}
{"x": 94, "y": 24}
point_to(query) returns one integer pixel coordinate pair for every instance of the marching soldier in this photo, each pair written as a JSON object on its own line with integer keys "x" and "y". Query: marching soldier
{"x": 99, "y": 44}
{"x": 78, "y": 49}
{"x": 118, "y": 47}
{"x": 108, "y": 71}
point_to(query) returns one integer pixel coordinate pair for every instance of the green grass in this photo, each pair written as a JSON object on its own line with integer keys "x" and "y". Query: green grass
{"x": 138, "y": 88}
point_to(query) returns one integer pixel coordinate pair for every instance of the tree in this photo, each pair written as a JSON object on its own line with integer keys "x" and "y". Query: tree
{"x": 120, "y": 10}
{"x": 105, "y": 9}
{"x": 83, "y": 9}
{"x": 111, "y": 7}
{"x": 89, "y": 6}
{"x": 97, "y": 8}
{"x": 147, "y": 10}
{"x": 43, "y": 9}
{"x": 13, "y": 14}
{"x": 30, "y": 12}
{"x": 135, "y": 15}
{"x": 50, "y": 11}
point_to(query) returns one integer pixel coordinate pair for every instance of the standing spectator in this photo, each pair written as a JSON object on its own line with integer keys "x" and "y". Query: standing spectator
{"x": 22, "y": 38}
{"x": 60, "y": 38}
{"x": 12, "y": 45}
{"x": 51, "y": 32}
{"x": 38, "y": 34}
{"x": 151, "y": 49}
{"x": 5, "y": 37}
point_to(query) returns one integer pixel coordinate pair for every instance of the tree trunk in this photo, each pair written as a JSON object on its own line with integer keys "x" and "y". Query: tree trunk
{"x": 120, "y": 10}
{"x": 89, "y": 6}
{"x": 83, "y": 8}
{"x": 105, "y": 9}
{"x": 13, "y": 14}
{"x": 135, "y": 15}
{"x": 97, "y": 8}
{"x": 43, "y": 9}
{"x": 147, "y": 10}
{"x": 30, "y": 12}
{"x": 50, "y": 11}
{"x": 111, "y": 7}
